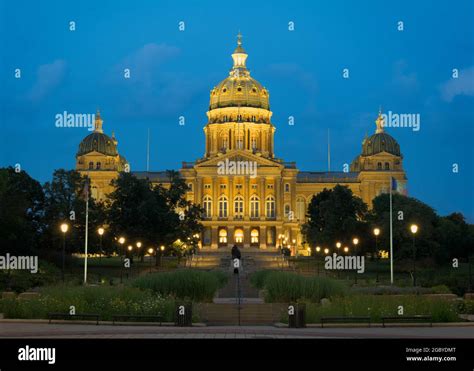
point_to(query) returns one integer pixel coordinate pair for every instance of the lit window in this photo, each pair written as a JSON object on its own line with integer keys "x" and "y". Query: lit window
{"x": 207, "y": 205}
{"x": 270, "y": 207}
{"x": 254, "y": 207}
{"x": 254, "y": 236}
{"x": 97, "y": 166}
{"x": 190, "y": 187}
{"x": 239, "y": 206}
{"x": 223, "y": 236}
{"x": 239, "y": 236}
{"x": 223, "y": 207}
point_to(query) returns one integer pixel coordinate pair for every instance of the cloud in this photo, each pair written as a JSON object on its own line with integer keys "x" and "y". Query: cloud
{"x": 402, "y": 78}
{"x": 49, "y": 76}
{"x": 463, "y": 85}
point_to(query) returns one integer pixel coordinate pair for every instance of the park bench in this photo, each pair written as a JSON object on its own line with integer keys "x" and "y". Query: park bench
{"x": 416, "y": 318}
{"x": 139, "y": 318}
{"x": 345, "y": 319}
{"x": 68, "y": 316}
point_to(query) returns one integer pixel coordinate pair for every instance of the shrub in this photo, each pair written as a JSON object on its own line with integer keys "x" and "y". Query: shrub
{"x": 106, "y": 301}
{"x": 186, "y": 284}
{"x": 378, "y": 306}
{"x": 397, "y": 290}
{"x": 288, "y": 287}
{"x": 20, "y": 280}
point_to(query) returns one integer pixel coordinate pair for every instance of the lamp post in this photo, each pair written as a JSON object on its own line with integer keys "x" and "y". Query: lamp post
{"x": 376, "y": 234}
{"x": 150, "y": 252}
{"x": 100, "y": 231}
{"x": 130, "y": 256}
{"x": 64, "y": 229}
{"x": 355, "y": 241}
{"x": 121, "y": 241}
{"x": 338, "y": 245}
{"x": 318, "y": 250}
{"x": 414, "y": 230}
{"x": 139, "y": 246}
{"x": 162, "y": 249}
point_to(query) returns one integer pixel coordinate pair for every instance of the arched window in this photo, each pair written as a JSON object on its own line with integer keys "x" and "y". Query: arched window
{"x": 207, "y": 205}
{"x": 387, "y": 166}
{"x": 239, "y": 206}
{"x": 223, "y": 235}
{"x": 270, "y": 206}
{"x": 223, "y": 207}
{"x": 91, "y": 165}
{"x": 239, "y": 235}
{"x": 300, "y": 208}
{"x": 97, "y": 166}
{"x": 287, "y": 210}
{"x": 253, "y": 143}
{"x": 254, "y": 207}
{"x": 254, "y": 236}
{"x": 225, "y": 142}
{"x": 287, "y": 187}
{"x": 379, "y": 166}
{"x": 240, "y": 142}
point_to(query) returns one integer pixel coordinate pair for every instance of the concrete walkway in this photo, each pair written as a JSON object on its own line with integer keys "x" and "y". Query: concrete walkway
{"x": 45, "y": 330}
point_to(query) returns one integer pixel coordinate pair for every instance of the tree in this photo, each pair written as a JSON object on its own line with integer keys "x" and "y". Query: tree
{"x": 455, "y": 237}
{"x": 406, "y": 211}
{"x": 157, "y": 215}
{"x": 21, "y": 212}
{"x": 335, "y": 215}
{"x": 65, "y": 202}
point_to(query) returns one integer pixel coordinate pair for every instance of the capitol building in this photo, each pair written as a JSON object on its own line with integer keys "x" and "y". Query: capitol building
{"x": 251, "y": 197}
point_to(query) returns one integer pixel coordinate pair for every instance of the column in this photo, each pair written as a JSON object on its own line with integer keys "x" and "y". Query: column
{"x": 262, "y": 198}
{"x": 230, "y": 236}
{"x": 278, "y": 198}
{"x": 231, "y": 197}
{"x": 215, "y": 201}
{"x": 214, "y": 237}
{"x": 263, "y": 237}
{"x": 246, "y": 236}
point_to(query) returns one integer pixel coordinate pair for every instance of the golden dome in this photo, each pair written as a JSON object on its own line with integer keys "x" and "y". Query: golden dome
{"x": 239, "y": 89}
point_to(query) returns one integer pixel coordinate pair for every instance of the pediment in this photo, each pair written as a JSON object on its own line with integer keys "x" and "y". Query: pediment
{"x": 238, "y": 156}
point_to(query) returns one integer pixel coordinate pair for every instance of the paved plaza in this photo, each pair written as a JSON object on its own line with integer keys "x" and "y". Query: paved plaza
{"x": 78, "y": 330}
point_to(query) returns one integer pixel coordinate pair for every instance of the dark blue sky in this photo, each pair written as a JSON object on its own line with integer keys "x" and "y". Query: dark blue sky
{"x": 172, "y": 73}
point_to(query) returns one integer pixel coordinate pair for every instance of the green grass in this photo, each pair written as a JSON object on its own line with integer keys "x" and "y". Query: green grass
{"x": 377, "y": 306}
{"x": 186, "y": 284}
{"x": 104, "y": 300}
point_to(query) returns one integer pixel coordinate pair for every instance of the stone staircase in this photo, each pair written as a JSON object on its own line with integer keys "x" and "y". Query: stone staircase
{"x": 225, "y": 309}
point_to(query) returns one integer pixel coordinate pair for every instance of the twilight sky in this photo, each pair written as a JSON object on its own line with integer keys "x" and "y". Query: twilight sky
{"x": 172, "y": 72}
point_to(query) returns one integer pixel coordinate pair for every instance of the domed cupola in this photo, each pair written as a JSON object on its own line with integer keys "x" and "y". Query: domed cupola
{"x": 380, "y": 141}
{"x": 239, "y": 89}
{"x": 97, "y": 141}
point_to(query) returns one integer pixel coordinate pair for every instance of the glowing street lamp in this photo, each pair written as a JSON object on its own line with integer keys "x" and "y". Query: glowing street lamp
{"x": 346, "y": 249}
{"x": 100, "y": 231}
{"x": 355, "y": 241}
{"x": 318, "y": 249}
{"x": 414, "y": 230}
{"x": 376, "y": 234}
{"x": 326, "y": 251}
{"x": 64, "y": 228}
{"x": 338, "y": 245}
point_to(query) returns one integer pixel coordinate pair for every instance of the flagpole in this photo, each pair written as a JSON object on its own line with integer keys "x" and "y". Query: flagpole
{"x": 391, "y": 236}
{"x": 87, "y": 232}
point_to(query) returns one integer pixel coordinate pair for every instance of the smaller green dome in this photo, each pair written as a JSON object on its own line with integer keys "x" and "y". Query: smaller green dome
{"x": 98, "y": 142}
{"x": 380, "y": 142}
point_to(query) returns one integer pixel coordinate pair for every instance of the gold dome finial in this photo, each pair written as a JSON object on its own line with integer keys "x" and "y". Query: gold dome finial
{"x": 239, "y": 56}
{"x": 379, "y": 122}
{"x": 98, "y": 122}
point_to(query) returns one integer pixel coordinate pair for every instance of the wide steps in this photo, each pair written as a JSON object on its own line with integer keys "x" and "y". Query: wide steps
{"x": 250, "y": 313}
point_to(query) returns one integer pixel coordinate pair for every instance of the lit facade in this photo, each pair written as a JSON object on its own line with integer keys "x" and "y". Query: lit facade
{"x": 266, "y": 208}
